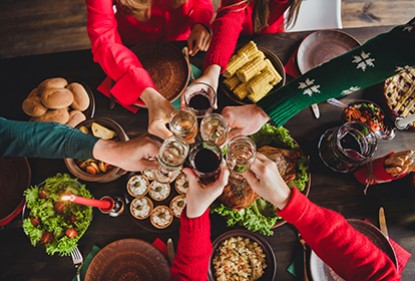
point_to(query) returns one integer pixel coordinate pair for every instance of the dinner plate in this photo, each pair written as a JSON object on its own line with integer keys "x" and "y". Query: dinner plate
{"x": 270, "y": 259}
{"x": 276, "y": 62}
{"x": 15, "y": 177}
{"x": 145, "y": 223}
{"x": 321, "y": 272}
{"x": 168, "y": 67}
{"x": 321, "y": 46}
{"x": 128, "y": 259}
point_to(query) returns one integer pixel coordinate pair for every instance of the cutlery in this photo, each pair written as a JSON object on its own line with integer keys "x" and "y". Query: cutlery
{"x": 402, "y": 123}
{"x": 170, "y": 250}
{"x": 304, "y": 245}
{"x": 77, "y": 260}
{"x": 337, "y": 103}
{"x": 382, "y": 222}
{"x": 316, "y": 110}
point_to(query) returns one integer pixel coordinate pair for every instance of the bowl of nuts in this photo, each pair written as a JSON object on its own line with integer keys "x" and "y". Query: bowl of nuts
{"x": 93, "y": 170}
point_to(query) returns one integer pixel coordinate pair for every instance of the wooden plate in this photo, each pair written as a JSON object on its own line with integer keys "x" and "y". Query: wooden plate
{"x": 321, "y": 46}
{"x": 128, "y": 259}
{"x": 271, "y": 261}
{"x": 321, "y": 272}
{"x": 168, "y": 67}
{"x": 15, "y": 175}
{"x": 275, "y": 62}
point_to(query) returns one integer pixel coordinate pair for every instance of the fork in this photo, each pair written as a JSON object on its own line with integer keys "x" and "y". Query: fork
{"x": 77, "y": 260}
{"x": 304, "y": 245}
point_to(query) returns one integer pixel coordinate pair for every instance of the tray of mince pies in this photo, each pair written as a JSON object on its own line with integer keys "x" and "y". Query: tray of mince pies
{"x": 156, "y": 206}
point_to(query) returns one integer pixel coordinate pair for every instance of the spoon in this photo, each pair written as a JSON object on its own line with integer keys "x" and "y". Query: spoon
{"x": 337, "y": 103}
{"x": 304, "y": 245}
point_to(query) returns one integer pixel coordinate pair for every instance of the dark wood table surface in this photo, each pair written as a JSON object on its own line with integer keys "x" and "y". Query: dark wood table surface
{"x": 339, "y": 192}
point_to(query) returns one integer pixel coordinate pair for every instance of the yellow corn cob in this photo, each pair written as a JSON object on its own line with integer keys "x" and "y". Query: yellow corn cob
{"x": 240, "y": 91}
{"x": 235, "y": 63}
{"x": 262, "y": 92}
{"x": 248, "y": 48}
{"x": 232, "y": 82}
{"x": 250, "y": 69}
{"x": 259, "y": 81}
{"x": 274, "y": 72}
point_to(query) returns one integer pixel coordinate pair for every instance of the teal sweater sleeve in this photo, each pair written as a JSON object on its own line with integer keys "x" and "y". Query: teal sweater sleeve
{"x": 44, "y": 140}
{"x": 378, "y": 59}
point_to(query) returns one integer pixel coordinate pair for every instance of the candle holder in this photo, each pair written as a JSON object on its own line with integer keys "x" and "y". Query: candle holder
{"x": 116, "y": 208}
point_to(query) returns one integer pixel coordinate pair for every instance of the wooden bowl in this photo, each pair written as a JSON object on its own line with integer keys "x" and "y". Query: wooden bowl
{"x": 112, "y": 174}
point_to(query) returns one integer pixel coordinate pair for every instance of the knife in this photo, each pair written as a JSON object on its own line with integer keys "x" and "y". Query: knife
{"x": 316, "y": 110}
{"x": 382, "y": 222}
{"x": 170, "y": 250}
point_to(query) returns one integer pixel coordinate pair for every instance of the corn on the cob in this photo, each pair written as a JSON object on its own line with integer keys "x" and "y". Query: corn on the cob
{"x": 240, "y": 91}
{"x": 248, "y": 48}
{"x": 251, "y": 69}
{"x": 232, "y": 82}
{"x": 262, "y": 92}
{"x": 274, "y": 72}
{"x": 235, "y": 63}
{"x": 259, "y": 81}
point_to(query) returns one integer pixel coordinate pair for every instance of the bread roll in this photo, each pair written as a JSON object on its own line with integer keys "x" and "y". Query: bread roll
{"x": 32, "y": 106}
{"x": 57, "y": 98}
{"x": 57, "y": 82}
{"x": 54, "y": 115}
{"x": 75, "y": 117}
{"x": 80, "y": 96}
{"x": 34, "y": 93}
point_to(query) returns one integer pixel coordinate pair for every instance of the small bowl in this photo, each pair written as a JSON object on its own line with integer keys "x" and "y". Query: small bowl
{"x": 385, "y": 131}
{"x": 115, "y": 172}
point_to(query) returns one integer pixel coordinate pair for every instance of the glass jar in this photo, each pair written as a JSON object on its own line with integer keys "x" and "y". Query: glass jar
{"x": 345, "y": 148}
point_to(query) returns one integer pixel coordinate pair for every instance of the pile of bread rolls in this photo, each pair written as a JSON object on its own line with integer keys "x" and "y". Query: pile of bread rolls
{"x": 54, "y": 100}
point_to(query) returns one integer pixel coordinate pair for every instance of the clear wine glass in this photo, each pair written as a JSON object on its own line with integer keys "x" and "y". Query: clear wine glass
{"x": 239, "y": 157}
{"x": 205, "y": 159}
{"x": 214, "y": 128}
{"x": 183, "y": 123}
{"x": 201, "y": 97}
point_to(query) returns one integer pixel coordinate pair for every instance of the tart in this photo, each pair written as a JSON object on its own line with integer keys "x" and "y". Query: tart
{"x": 149, "y": 174}
{"x": 177, "y": 205}
{"x": 141, "y": 207}
{"x": 181, "y": 184}
{"x": 137, "y": 186}
{"x": 161, "y": 217}
{"x": 159, "y": 191}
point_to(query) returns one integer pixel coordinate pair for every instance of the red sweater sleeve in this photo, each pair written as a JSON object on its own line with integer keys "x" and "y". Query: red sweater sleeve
{"x": 117, "y": 61}
{"x": 193, "y": 250}
{"x": 202, "y": 12}
{"x": 348, "y": 252}
{"x": 226, "y": 29}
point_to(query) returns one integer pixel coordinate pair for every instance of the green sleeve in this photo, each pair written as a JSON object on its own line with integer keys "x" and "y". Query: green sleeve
{"x": 378, "y": 59}
{"x": 44, "y": 140}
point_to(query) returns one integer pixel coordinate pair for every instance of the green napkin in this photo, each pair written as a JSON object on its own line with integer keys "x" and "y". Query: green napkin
{"x": 87, "y": 261}
{"x": 296, "y": 267}
{"x": 195, "y": 73}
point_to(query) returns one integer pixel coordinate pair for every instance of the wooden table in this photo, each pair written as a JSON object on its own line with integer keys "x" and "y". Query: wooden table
{"x": 339, "y": 192}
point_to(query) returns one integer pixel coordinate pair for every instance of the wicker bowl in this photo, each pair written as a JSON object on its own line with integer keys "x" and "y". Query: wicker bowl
{"x": 112, "y": 174}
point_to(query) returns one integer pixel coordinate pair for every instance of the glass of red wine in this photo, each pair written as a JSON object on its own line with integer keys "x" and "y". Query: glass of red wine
{"x": 201, "y": 97}
{"x": 205, "y": 158}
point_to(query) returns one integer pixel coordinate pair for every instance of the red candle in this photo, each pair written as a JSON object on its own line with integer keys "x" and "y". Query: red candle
{"x": 102, "y": 204}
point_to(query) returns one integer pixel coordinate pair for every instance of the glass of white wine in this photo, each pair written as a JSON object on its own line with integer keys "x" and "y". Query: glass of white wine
{"x": 183, "y": 123}
{"x": 214, "y": 128}
{"x": 239, "y": 157}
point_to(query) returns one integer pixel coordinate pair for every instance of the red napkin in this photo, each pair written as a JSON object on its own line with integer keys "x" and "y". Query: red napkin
{"x": 160, "y": 245}
{"x": 402, "y": 255}
{"x": 105, "y": 89}
{"x": 291, "y": 67}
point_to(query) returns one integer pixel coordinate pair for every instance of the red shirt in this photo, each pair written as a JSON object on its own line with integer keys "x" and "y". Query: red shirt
{"x": 348, "y": 252}
{"x": 232, "y": 21}
{"x": 109, "y": 33}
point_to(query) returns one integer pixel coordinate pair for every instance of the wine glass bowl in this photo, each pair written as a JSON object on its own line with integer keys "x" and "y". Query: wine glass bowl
{"x": 201, "y": 97}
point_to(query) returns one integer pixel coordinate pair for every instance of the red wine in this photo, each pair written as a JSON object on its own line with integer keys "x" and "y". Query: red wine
{"x": 206, "y": 161}
{"x": 199, "y": 101}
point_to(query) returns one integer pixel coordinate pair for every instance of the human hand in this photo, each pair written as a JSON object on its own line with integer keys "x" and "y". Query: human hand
{"x": 199, "y": 39}
{"x": 200, "y": 198}
{"x": 159, "y": 109}
{"x": 244, "y": 120}
{"x": 265, "y": 179}
{"x": 133, "y": 155}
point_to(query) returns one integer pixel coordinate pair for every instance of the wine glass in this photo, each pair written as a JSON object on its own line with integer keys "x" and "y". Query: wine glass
{"x": 183, "y": 123}
{"x": 201, "y": 97}
{"x": 214, "y": 128}
{"x": 172, "y": 154}
{"x": 239, "y": 157}
{"x": 205, "y": 158}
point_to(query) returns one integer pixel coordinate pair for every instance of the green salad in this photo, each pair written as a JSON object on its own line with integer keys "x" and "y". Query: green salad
{"x": 261, "y": 215}
{"x": 55, "y": 223}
